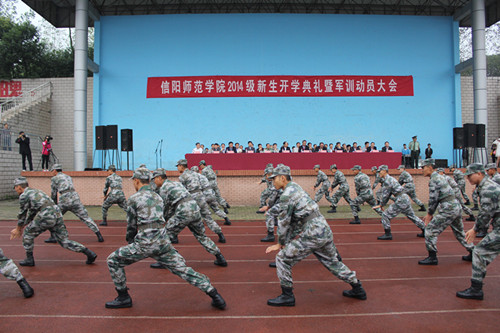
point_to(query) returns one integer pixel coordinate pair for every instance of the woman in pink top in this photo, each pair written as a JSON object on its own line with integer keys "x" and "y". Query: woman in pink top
{"x": 46, "y": 149}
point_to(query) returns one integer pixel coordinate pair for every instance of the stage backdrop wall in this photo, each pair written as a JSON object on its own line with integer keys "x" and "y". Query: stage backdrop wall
{"x": 130, "y": 49}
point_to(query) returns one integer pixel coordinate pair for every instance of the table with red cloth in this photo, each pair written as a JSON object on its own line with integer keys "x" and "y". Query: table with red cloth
{"x": 296, "y": 161}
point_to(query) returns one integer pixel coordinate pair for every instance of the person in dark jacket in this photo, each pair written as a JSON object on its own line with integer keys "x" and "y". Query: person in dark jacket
{"x": 24, "y": 149}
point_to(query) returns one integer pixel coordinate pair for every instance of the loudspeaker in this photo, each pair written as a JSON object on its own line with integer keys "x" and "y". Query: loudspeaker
{"x": 127, "y": 140}
{"x": 441, "y": 163}
{"x": 458, "y": 138}
{"x": 480, "y": 135}
{"x": 100, "y": 137}
{"x": 112, "y": 137}
{"x": 470, "y": 135}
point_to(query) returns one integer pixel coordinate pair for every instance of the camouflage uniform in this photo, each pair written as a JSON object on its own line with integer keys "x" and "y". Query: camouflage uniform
{"x": 402, "y": 203}
{"x": 378, "y": 180}
{"x": 210, "y": 197}
{"x": 496, "y": 178}
{"x": 364, "y": 194}
{"x": 459, "y": 178}
{"x": 343, "y": 191}
{"x": 406, "y": 180}
{"x": 324, "y": 183}
{"x": 9, "y": 269}
{"x": 147, "y": 237}
{"x": 456, "y": 189}
{"x": 273, "y": 211}
{"x": 69, "y": 199}
{"x": 115, "y": 196}
{"x": 267, "y": 191}
{"x": 212, "y": 179}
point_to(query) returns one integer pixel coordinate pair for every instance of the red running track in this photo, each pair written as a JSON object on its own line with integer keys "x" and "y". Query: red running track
{"x": 402, "y": 296}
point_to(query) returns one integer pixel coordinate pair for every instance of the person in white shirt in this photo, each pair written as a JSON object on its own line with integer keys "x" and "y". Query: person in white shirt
{"x": 497, "y": 151}
{"x": 198, "y": 149}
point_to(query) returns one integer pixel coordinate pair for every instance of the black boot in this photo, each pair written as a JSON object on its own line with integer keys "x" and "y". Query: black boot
{"x": 386, "y": 236}
{"x": 285, "y": 299}
{"x": 51, "y": 239}
{"x": 91, "y": 256}
{"x": 222, "y": 239}
{"x": 339, "y": 258}
{"x": 269, "y": 238}
{"x": 467, "y": 203}
{"x": 104, "y": 221}
{"x": 272, "y": 264}
{"x": 217, "y": 300}
{"x": 357, "y": 291}
{"x": 227, "y": 206}
{"x": 467, "y": 257}
{"x": 26, "y": 288}
{"x": 476, "y": 207}
{"x": 259, "y": 212}
{"x": 422, "y": 209}
{"x": 422, "y": 234}
{"x": 227, "y": 221}
{"x": 333, "y": 210}
{"x": 99, "y": 237}
{"x": 470, "y": 218}
{"x": 174, "y": 239}
{"x": 122, "y": 301}
{"x": 220, "y": 260}
{"x": 474, "y": 292}
{"x": 355, "y": 221}
{"x": 481, "y": 233}
{"x": 430, "y": 260}
{"x": 226, "y": 211}
{"x": 29, "y": 261}
{"x": 157, "y": 265}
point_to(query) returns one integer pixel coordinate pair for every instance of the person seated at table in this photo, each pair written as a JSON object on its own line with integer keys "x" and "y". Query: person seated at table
{"x": 197, "y": 149}
{"x": 348, "y": 149}
{"x": 206, "y": 151}
{"x": 310, "y": 146}
{"x": 239, "y": 149}
{"x": 250, "y": 147}
{"x": 355, "y": 147}
{"x": 230, "y": 147}
{"x": 216, "y": 147}
{"x": 372, "y": 147}
{"x": 321, "y": 147}
{"x": 296, "y": 149}
{"x": 366, "y": 147}
{"x": 315, "y": 148}
{"x": 275, "y": 148}
{"x": 344, "y": 148}
{"x": 286, "y": 148}
{"x": 268, "y": 148}
{"x": 304, "y": 146}
{"x": 330, "y": 148}
{"x": 338, "y": 147}
{"x": 386, "y": 147}
{"x": 260, "y": 149}
{"x": 223, "y": 148}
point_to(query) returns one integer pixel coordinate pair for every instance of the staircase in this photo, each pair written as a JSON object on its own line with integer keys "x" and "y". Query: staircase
{"x": 15, "y": 105}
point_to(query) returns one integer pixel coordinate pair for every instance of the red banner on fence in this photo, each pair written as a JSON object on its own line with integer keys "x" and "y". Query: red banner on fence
{"x": 280, "y": 86}
{"x": 10, "y": 88}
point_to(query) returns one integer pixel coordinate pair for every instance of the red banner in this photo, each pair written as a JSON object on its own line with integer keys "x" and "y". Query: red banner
{"x": 10, "y": 88}
{"x": 280, "y": 86}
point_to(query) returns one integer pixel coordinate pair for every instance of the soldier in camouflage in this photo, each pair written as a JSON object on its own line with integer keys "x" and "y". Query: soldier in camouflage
{"x": 39, "y": 213}
{"x": 69, "y": 201}
{"x": 489, "y": 247}
{"x": 181, "y": 211}
{"x": 378, "y": 180}
{"x": 267, "y": 191}
{"x": 449, "y": 213}
{"x": 207, "y": 171}
{"x": 458, "y": 194}
{"x": 11, "y": 272}
{"x": 148, "y": 237}
{"x": 364, "y": 194}
{"x": 302, "y": 231}
{"x": 460, "y": 180}
{"x": 491, "y": 170}
{"x": 475, "y": 199}
{"x": 115, "y": 195}
{"x": 272, "y": 211}
{"x": 406, "y": 180}
{"x": 323, "y": 183}
{"x": 402, "y": 203}
{"x": 343, "y": 191}
{"x": 191, "y": 182}
{"x": 209, "y": 194}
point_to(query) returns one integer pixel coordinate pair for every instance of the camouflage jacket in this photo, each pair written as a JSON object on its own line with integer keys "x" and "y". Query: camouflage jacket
{"x": 268, "y": 182}
{"x": 378, "y": 180}
{"x": 453, "y": 184}
{"x": 390, "y": 187}
{"x": 295, "y": 205}
{"x": 458, "y": 176}
{"x": 205, "y": 185}
{"x": 32, "y": 202}
{"x": 362, "y": 184}
{"x": 114, "y": 182}
{"x": 60, "y": 183}
{"x": 210, "y": 174}
{"x": 496, "y": 178}
{"x": 439, "y": 189}
{"x": 322, "y": 179}
{"x": 273, "y": 202}
{"x": 339, "y": 179}
{"x": 144, "y": 207}
{"x": 171, "y": 193}
{"x": 190, "y": 180}
{"x": 489, "y": 199}
{"x": 405, "y": 178}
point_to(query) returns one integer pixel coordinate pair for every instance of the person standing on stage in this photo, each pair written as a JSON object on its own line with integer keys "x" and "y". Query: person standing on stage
{"x": 414, "y": 147}
{"x": 115, "y": 195}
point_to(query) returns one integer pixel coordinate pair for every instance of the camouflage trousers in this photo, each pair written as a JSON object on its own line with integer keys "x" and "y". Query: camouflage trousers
{"x": 271, "y": 222}
{"x": 401, "y": 205}
{"x": 323, "y": 190}
{"x": 163, "y": 252}
{"x": 71, "y": 202}
{"x": 205, "y": 213}
{"x": 360, "y": 199}
{"x": 484, "y": 253}
{"x": 317, "y": 239}
{"x": 465, "y": 209}
{"x": 218, "y": 196}
{"x": 8, "y": 268}
{"x": 49, "y": 221}
{"x": 461, "y": 185}
{"x": 214, "y": 205}
{"x": 449, "y": 214}
{"x": 114, "y": 197}
{"x": 187, "y": 214}
{"x": 264, "y": 196}
{"x": 341, "y": 193}
{"x": 410, "y": 190}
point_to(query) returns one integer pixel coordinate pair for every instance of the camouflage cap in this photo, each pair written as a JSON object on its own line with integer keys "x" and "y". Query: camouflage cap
{"x": 374, "y": 168}
{"x": 383, "y": 167}
{"x": 452, "y": 166}
{"x": 356, "y": 167}
{"x": 142, "y": 166}
{"x": 20, "y": 181}
{"x": 202, "y": 162}
{"x": 440, "y": 169}
{"x": 490, "y": 166}
{"x": 281, "y": 170}
{"x": 182, "y": 162}
{"x": 56, "y": 167}
{"x": 333, "y": 166}
{"x": 317, "y": 166}
{"x": 195, "y": 168}
{"x": 158, "y": 172}
{"x": 473, "y": 168}
{"x": 401, "y": 167}
{"x": 112, "y": 167}
{"x": 428, "y": 161}
{"x": 269, "y": 165}
{"x": 141, "y": 173}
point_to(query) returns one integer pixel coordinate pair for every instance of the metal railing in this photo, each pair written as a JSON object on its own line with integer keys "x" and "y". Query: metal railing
{"x": 26, "y": 98}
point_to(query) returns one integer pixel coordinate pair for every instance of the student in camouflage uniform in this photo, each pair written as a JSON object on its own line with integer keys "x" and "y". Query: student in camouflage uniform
{"x": 148, "y": 237}
{"x": 39, "y": 213}
{"x": 11, "y": 272}
{"x": 378, "y": 180}
{"x": 115, "y": 195}
{"x": 402, "y": 203}
{"x": 449, "y": 213}
{"x": 207, "y": 171}
{"x": 69, "y": 201}
{"x": 475, "y": 199}
{"x": 489, "y": 247}
{"x": 323, "y": 183}
{"x": 191, "y": 182}
{"x": 181, "y": 211}
{"x": 458, "y": 194}
{"x": 406, "y": 180}
{"x": 267, "y": 191}
{"x": 302, "y": 231}
{"x": 491, "y": 171}
{"x": 209, "y": 194}
{"x": 364, "y": 194}
{"x": 459, "y": 178}
{"x": 272, "y": 211}
{"x": 343, "y": 191}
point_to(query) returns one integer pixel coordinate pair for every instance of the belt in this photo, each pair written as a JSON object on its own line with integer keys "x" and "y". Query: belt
{"x": 195, "y": 191}
{"x": 67, "y": 191}
{"x": 115, "y": 188}
{"x": 448, "y": 199}
{"x": 311, "y": 216}
{"x": 152, "y": 225}
{"x": 186, "y": 199}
